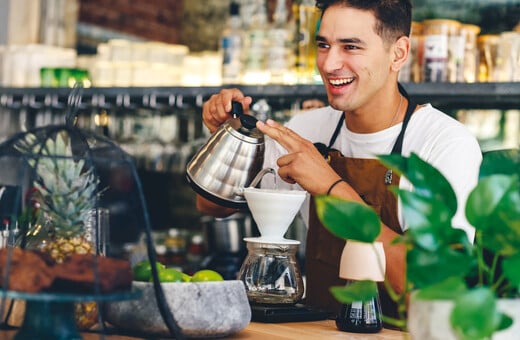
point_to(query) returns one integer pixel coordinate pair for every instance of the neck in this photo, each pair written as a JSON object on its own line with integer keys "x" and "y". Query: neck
{"x": 377, "y": 117}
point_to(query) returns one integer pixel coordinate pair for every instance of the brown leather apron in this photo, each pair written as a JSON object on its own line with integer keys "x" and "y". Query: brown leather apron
{"x": 371, "y": 180}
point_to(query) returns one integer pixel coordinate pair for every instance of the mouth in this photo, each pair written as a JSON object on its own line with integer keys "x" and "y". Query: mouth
{"x": 340, "y": 82}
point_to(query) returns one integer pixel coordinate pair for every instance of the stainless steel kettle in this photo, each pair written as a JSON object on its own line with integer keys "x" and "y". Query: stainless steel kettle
{"x": 231, "y": 160}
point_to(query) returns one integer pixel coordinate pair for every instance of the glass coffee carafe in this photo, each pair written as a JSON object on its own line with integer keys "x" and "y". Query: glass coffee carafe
{"x": 270, "y": 270}
{"x": 271, "y": 273}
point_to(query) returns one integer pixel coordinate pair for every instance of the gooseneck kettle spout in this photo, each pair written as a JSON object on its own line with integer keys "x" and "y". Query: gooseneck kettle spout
{"x": 257, "y": 179}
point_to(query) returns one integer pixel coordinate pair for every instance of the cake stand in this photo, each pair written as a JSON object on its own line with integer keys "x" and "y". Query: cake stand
{"x": 51, "y": 315}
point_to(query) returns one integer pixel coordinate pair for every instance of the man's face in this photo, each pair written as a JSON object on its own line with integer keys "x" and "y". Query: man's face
{"x": 352, "y": 59}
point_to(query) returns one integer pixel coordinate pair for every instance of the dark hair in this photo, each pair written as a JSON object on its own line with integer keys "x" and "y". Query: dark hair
{"x": 394, "y": 17}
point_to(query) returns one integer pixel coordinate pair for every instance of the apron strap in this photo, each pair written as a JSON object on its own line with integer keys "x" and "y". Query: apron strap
{"x": 398, "y": 146}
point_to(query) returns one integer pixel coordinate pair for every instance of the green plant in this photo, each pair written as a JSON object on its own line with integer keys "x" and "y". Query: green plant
{"x": 471, "y": 274}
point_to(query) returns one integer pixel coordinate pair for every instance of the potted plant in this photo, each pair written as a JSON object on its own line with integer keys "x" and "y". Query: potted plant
{"x": 442, "y": 264}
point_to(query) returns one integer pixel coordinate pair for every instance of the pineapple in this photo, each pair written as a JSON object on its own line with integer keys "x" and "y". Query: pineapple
{"x": 66, "y": 194}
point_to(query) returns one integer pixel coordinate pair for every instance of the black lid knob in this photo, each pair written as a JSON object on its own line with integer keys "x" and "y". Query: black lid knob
{"x": 248, "y": 121}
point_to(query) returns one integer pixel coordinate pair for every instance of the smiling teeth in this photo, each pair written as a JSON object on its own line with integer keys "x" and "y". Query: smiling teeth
{"x": 337, "y": 82}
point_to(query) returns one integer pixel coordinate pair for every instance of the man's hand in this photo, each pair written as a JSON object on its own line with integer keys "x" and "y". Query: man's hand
{"x": 303, "y": 164}
{"x": 216, "y": 110}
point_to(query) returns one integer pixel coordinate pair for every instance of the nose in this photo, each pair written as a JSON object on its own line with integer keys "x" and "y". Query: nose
{"x": 330, "y": 60}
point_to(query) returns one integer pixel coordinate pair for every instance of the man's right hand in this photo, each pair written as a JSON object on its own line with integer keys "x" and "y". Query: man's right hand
{"x": 216, "y": 110}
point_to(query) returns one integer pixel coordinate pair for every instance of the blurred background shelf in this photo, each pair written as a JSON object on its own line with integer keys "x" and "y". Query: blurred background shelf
{"x": 443, "y": 95}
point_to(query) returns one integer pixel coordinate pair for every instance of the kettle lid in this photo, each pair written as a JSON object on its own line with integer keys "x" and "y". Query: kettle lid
{"x": 245, "y": 124}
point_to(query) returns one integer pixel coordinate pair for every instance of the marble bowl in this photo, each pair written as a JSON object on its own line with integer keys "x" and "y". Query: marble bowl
{"x": 201, "y": 309}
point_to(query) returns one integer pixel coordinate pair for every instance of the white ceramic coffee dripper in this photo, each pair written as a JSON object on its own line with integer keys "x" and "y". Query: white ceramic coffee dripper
{"x": 273, "y": 211}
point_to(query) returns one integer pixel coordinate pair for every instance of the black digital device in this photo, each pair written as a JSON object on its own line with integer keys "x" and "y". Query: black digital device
{"x": 287, "y": 313}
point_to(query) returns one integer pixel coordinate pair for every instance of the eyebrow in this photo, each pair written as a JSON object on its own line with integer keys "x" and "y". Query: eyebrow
{"x": 320, "y": 38}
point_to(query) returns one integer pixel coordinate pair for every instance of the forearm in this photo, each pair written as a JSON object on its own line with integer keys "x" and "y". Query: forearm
{"x": 395, "y": 259}
{"x": 207, "y": 207}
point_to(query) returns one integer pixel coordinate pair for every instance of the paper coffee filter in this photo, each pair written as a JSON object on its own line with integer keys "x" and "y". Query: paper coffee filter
{"x": 273, "y": 210}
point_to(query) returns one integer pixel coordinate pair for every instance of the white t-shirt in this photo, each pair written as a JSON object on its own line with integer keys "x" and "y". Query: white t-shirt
{"x": 434, "y": 136}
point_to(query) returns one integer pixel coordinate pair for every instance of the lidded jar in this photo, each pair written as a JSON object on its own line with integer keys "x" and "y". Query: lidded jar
{"x": 438, "y": 41}
{"x": 271, "y": 273}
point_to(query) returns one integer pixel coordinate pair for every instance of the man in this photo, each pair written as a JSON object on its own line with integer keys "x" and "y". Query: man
{"x": 362, "y": 45}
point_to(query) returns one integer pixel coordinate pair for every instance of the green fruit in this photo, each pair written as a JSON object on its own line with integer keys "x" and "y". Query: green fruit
{"x": 143, "y": 270}
{"x": 206, "y": 275}
{"x": 169, "y": 275}
{"x": 186, "y": 277}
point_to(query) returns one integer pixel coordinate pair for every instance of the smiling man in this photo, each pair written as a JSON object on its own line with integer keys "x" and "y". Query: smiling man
{"x": 362, "y": 45}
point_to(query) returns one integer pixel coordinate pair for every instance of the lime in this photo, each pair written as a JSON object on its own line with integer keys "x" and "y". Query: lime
{"x": 143, "y": 270}
{"x": 186, "y": 277}
{"x": 206, "y": 275}
{"x": 169, "y": 275}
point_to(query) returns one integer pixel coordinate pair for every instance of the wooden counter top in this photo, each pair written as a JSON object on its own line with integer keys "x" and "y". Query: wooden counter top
{"x": 314, "y": 330}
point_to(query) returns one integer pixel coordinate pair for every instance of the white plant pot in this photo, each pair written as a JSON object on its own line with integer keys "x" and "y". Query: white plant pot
{"x": 430, "y": 320}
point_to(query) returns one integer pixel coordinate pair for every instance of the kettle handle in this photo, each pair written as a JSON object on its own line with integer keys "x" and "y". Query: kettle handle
{"x": 247, "y": 121}
{"x": 236, "y": 109}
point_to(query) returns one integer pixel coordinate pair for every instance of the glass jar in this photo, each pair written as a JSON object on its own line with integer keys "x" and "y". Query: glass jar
{"x": 440, "y": 37}
{"x": 488, "y": 46}
{"x": 471, "y": 55}
{"x": 271, "y": 273}
{"x": 508, "y": 57}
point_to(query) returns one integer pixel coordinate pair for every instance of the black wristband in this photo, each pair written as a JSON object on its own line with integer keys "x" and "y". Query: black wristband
{"x": 333, "y": 185}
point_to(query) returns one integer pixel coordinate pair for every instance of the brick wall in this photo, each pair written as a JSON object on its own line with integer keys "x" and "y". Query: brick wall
{"x": 159, "y": 20}
{"x": 195, "y": 23}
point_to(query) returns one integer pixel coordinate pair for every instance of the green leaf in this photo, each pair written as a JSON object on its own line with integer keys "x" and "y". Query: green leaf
{"x": 355, "y": 291}
{"x": 475, "y": 315}
{"x": 447, "y": 289}
{"x": 425, "y": 178}
{"x": 510, "y": 267}
{"x": 485, "y": 198}
{"x": 493, "y": 208}
{"x": 505, "y": 162}
{"x": 348, "y": 219}
{"x": 420, "y": 211}
{"x": 429, "y": 267}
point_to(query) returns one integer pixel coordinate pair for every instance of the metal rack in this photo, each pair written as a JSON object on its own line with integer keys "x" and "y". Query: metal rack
{"x": 443, "y": 95}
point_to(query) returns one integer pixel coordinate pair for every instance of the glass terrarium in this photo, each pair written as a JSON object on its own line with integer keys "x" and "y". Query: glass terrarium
{"x": 63, "y": 190}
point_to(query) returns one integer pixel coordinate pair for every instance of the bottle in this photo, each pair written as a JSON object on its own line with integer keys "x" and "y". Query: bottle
{"x": 231, "y": 46}
{"x": 175, "y": 244}
{"x": 362, "y": 261}
{"x": 360, "y": 316}
{"x": 254, "y": 50}
{"x": 279, "y": 52}
{"x": 306, "y": 17}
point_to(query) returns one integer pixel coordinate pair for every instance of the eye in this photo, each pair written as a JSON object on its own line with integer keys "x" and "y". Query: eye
{"x": 350, "y": 47}
{"x": 322, "y": 45}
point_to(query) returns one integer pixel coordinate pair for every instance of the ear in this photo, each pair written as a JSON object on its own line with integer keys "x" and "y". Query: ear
{"x": 400, "y": 53}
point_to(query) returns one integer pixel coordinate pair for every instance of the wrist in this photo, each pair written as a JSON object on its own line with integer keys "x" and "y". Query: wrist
{"x": 333, "y": 185}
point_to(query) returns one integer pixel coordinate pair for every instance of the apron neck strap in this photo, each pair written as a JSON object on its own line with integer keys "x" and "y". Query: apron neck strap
{"x": 398, "y": 146}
